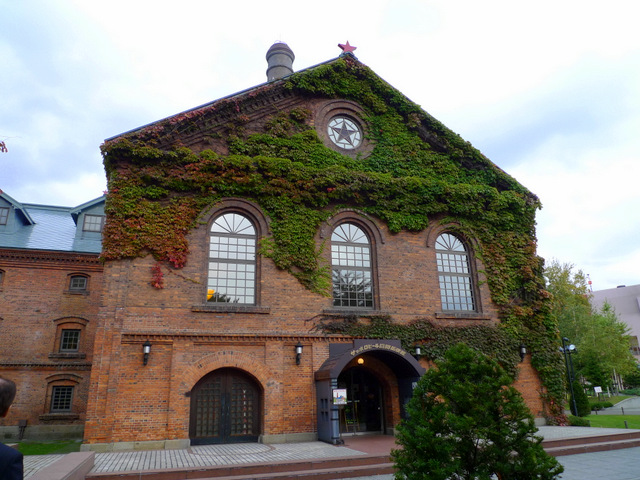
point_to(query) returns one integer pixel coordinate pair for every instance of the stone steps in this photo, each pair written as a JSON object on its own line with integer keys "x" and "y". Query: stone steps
{"x": 597, "y": 443}
{"x": 324, "y": 469}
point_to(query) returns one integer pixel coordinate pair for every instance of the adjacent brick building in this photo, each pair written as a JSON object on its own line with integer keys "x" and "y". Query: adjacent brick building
{"x": 50, "y": 291}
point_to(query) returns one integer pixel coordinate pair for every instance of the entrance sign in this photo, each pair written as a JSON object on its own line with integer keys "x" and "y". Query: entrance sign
{"x": 378, "y": 346}
{"x": 339, "y": 396}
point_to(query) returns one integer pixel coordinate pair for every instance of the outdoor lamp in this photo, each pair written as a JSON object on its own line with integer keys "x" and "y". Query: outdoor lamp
{"x": 567, "y": 349}
{"x": 298, "y": 350}
{"x": 523, "y": 352}
{"x": 146, "y": 350}
{"x": 418, "y": 351}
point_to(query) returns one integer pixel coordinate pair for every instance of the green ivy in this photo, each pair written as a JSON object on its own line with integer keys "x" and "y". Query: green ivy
{"x": 418, "y": 172}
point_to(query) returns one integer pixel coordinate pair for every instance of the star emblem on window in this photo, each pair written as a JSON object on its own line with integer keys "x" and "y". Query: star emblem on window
{"x": 344, "y": 132}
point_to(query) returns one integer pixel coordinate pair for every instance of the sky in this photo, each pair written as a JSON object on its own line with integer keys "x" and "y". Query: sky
{"x": 548, "y": 90}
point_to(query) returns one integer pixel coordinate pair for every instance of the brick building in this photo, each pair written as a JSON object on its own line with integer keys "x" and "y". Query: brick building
{"x": 50, "y": 291}
{"x": 284, "y": 263}
{"x": 276, "y": 260}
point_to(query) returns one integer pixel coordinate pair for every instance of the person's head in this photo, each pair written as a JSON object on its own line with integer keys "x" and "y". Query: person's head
{"x": 7, "y": 394}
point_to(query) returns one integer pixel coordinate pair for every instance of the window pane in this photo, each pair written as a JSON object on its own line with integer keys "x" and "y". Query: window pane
{"x": 351, "y": 273}
{"x": 4, "y": 215}
{"x": 78, "y": 283}
{"x": 69, "y": 340}
{"x": 232, "y": 260}
{"x": 456, "y": 288}
{"x": 61, "y": 399}
{"x": 93, "y": 223}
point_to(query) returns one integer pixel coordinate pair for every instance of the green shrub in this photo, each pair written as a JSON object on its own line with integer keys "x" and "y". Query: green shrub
{"x": 631, "y": 391}
{"x": 581, "y": 401}
{"x": 600, "y": 405}
{"x": 466, "y": 420}
{"x": 578, "y": 421}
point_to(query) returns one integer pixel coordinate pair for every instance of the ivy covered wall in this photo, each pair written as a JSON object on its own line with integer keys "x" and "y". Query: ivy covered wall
{"x": 418, "y": 172}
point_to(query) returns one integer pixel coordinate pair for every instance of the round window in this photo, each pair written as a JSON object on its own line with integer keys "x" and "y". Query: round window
{"x": 344, "y": 132}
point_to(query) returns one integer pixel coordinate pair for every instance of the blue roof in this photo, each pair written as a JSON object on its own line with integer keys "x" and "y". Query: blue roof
{"x": 52, "y": 228}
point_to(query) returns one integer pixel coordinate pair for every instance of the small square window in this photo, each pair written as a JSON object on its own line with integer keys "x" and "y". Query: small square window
{"x": 93, "y": 223}
{"x": 61, "y": 399}
{"x": 78, "y": 283}
{"x": 69, "y": 340}
{"x": 4, "y": 215}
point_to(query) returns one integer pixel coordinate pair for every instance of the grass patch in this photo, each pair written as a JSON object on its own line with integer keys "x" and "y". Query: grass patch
{"x": 613, "y": 399}
{"x": 614, "y": 421}
{"x": 33, "y": 448}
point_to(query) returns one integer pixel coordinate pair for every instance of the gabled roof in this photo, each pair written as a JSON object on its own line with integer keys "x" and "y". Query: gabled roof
{"x": 50, "y": 228}
{"x": 19, "y": 208}
{"x": 342, "y": 78}
{"x": 209, "y": 105}
{"x": 75, "y": 213}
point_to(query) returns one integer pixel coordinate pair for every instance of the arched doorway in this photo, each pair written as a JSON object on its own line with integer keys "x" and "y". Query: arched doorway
{"x": 392, "y": 372}
{"x": 364, "y": 410}
{"x": 225, "y": 408}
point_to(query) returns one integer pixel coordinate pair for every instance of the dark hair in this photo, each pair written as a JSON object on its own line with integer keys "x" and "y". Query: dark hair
{"x": 7, "y": 394}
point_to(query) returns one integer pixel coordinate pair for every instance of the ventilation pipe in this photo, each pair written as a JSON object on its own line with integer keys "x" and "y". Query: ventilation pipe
{"x": 280, "y": 61}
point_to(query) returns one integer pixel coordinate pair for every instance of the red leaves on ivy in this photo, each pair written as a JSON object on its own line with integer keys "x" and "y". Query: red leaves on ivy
{"x": 157, "y": 277}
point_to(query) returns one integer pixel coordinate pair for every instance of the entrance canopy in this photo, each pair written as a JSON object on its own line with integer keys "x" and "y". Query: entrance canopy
{"x": 388, "y": 351}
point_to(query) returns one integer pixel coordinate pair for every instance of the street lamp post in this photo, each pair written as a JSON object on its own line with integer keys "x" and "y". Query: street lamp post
{"x": 567, "y": 349}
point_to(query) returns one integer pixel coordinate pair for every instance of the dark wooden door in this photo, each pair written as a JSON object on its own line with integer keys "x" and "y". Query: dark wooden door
{"x": 225, "y": 408}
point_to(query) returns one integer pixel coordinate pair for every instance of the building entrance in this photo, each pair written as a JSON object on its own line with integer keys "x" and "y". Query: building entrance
{"x": 364, "y": 410}
{"x": 225, "y": 408}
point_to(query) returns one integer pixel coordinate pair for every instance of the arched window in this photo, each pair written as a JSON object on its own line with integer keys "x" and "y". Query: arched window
{"x": 232, "y": 260}
{"x": 61, "y": 396}
{"x": 351, "y": 267}
{"x": 78, "y": 283}
{"x": 70, "y": 340}
{"x": 454, "y": 274}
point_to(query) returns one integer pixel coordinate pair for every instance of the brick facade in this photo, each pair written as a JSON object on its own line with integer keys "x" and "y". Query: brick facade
{"x": 136, "y": 403}
{"x": 37, "y": 305}
{"x": 222, "y": 372}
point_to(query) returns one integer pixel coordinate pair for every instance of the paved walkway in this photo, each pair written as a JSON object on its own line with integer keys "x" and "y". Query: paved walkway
{"x": 628, "y": 406}
{"x": 611, "y": 465}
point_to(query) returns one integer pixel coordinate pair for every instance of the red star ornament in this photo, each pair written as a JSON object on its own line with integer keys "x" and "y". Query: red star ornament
{"x": 347, "y": 48}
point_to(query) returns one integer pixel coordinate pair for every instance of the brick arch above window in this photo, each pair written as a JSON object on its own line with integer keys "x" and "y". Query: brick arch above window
{"x": 358, "y": 218}
{"x": 244, "y": 207}
{"x": 64, "y": 377}
{"x": 61, "y": 402}
{"x": 78, "y": 320}
{"x": 78, "y": 283}
{"x": 70, "y": 340}
{"x": 435, "y": 231}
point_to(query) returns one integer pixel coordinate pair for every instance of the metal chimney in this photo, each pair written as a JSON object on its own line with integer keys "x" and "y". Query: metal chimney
{"x": 280, "y": 60}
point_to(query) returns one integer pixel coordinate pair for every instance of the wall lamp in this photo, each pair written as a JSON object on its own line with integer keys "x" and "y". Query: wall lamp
{"x": 418, "y": 352}
{"x": 146, "y": 350}
{"x": 523, "y": 351}
{"x": 298, "y": 350}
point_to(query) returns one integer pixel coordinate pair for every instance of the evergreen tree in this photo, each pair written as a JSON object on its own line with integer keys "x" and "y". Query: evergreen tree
{"x": 582, "y": 401}
{"x": 466, "y": 421}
